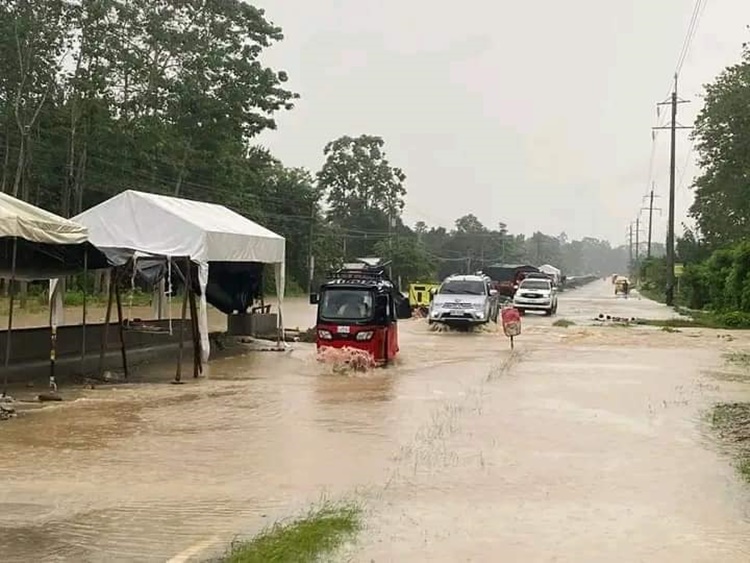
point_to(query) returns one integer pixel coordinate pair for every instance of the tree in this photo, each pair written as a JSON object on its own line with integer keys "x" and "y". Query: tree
{"x": 411, "y": 260}
{"x": 722, "y": 139}
{"x": 359, "y": 180}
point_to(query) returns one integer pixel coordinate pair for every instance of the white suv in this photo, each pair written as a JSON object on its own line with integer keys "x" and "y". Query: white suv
{"x": 464, "y": 300}
{"x": 536, "y": 294}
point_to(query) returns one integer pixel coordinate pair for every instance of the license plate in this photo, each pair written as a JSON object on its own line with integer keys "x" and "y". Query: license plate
{"x": 343, "y": 329}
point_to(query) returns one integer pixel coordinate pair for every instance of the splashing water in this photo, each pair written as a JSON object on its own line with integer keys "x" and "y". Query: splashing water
{"x": 480, "y": 329}
{"x": 346, "y": 359}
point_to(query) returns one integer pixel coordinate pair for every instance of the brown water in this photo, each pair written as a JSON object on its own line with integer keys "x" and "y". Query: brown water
{"x": 585, "y": 444}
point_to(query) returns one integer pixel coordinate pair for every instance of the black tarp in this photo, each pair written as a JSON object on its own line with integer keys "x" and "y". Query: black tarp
{"x": 232, "y": 286}
{"x": 38, "y": 261}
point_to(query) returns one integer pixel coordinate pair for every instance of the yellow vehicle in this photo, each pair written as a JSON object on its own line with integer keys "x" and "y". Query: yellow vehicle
{"x": 622, "y": 286}
{"x": 419, "y": 295}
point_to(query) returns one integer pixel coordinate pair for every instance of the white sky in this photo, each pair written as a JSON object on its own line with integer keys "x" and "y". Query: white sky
{"x": 537, "y": 114}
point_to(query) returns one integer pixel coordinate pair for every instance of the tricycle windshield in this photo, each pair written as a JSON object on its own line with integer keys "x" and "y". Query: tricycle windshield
{"x": 346, "y": 304}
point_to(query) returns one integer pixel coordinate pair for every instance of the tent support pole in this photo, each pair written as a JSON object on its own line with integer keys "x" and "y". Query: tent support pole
{"x": 107, "y": 319}
{"x": 197, "y": 367}
{"x": 181, "y": 345}
{"x": 121, "y": 330}
{"x": 53, "y": 347}
{"x": 12, "y": 292}
{"x": 83, "y": 314}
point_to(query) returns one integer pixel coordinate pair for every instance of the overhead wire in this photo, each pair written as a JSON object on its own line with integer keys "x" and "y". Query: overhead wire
{"x": 698, "y": 9}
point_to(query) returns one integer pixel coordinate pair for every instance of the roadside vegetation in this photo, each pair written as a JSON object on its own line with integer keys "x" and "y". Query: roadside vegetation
{"x": 715, "y": 282}
{"x": 563, "y": 323}
{"x": 731, "y": 422}
{"x": 319, "y": 533}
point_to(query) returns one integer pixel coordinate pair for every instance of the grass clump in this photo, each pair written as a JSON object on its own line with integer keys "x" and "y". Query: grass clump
{"x": 320, "y": 532}
{"x": 731, "y": 422}
{"x": 738, "y": 358}
{"x": 563, "y": 323}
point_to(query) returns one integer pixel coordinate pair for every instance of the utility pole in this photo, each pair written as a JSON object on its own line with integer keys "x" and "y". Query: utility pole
{"x": 630, "y": 246}
{"x": 637, "y": 239}
{"x": 651, "y": 210}
{"x": 673, "y": 126}
{"x": 310, "y": 257}
{"x": 390, "y": 245}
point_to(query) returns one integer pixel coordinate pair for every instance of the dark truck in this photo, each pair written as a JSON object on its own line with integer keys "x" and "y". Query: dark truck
{"x": 506, "y": 277}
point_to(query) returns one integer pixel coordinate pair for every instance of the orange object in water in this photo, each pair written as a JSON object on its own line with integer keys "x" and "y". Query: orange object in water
{"x": 511, "y": 321}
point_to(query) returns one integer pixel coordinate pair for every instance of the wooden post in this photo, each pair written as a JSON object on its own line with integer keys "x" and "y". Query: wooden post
{"x": 197, "y": 366}
{"x": 83, "y": 314}
{"x": 108, "y": 317}
{"x": 181, "y": 345}
{"x": 12, "y": 292}
{"x": 121, "y": 330}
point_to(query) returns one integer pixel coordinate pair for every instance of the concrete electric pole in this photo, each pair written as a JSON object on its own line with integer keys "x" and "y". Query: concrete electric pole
{"x": 673, "y": 126}
{"x": 650, "y": 210}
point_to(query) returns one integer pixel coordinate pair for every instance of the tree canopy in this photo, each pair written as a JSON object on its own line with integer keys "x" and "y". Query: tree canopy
{"x": 722, "y": 138}
{"x": 99, "y": 96}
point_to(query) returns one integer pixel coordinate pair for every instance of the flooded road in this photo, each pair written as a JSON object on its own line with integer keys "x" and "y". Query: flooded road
{"x": 585, "y": 444}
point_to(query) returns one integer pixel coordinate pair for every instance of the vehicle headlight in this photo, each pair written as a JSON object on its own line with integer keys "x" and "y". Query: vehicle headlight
{"x": 324, "y": 334}
{"x": 480, "y": 314}
{"x": 364, "y": 335}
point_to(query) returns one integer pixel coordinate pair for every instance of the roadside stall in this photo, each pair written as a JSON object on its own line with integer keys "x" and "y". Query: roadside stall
{"x": 180, "y": 235}
{"x": 38, "y": 245}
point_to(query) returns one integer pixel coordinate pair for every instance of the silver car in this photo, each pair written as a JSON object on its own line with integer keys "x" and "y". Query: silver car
{"x": 464, "y": 300}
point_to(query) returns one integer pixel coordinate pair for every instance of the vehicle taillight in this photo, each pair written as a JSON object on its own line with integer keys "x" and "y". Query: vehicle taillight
{"x": 364, "y": 335}
{"x": 325, "y": 334}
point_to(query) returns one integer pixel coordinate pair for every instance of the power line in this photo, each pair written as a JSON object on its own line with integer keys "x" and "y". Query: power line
{"x": 698, "y": 9}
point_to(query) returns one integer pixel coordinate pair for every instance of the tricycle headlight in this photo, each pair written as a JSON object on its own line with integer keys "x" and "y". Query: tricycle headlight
{"x": 365, "y": 335}
{"x": 324, "y": 334}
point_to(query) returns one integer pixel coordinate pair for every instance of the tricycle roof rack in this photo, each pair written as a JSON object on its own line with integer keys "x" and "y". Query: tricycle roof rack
{"x": 363, "y": 271}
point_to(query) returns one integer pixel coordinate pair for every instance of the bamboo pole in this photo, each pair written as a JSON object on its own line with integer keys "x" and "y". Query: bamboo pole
{"x": 12, "y": 293}
{"x": 108, "y": 317}
{"x": 197, "y": 364}
{"x": 121, "y": 330}
{"x": 83, "y": 314}
{"x": 181, "y": 345}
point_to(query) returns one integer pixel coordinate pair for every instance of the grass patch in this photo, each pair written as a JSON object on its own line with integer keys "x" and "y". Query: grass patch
{"x": 564, "y": 323}
{"x": 731, "y": 422}
{"x": 738, "y": 358}
{"x": 670, "y": 329}
{"x": 320, "y": 532}
{"x": 698, "y": 319}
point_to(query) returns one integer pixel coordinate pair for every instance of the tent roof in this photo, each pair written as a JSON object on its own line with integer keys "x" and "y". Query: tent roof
{"x": 550, "y": 268}
{"x": 25, "y": 221}
{"x": 170, "y": 226}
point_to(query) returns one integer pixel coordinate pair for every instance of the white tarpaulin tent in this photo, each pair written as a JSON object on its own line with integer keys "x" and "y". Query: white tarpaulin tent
{"x": 158, "y": 225}
{"x": 28, "y": 222}
{"x": 551, "y": 271}
{"x": 35, "y": 245}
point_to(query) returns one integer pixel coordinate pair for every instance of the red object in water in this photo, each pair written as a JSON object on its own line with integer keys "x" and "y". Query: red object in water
{"x": 511, "y": 321}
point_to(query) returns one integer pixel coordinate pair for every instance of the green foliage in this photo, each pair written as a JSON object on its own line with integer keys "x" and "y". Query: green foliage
{"x": 719, "y": 285}
{"x": 722, "y": 137}
{"x": 319, "y": 533}
{"x": 411, "y": 262}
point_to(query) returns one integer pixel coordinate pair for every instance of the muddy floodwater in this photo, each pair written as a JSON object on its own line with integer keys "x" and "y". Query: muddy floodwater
{"x": 587, "y": 443}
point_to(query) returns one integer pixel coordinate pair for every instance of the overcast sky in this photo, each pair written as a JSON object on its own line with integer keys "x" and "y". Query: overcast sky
{"x": 537, "y": 114}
